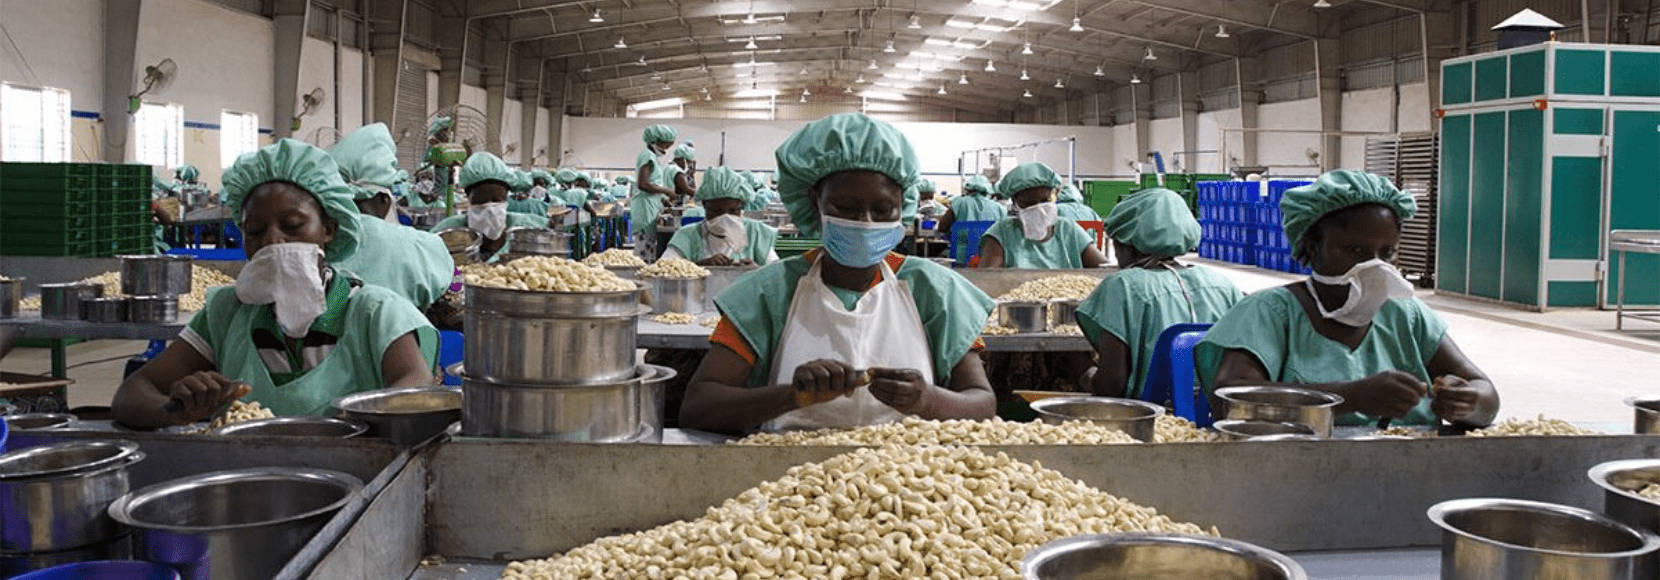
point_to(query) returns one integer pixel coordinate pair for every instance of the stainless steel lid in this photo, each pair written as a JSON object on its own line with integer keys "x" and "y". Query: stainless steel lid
{"x": 66, "y": 459}
{"x": 239, "y": 498}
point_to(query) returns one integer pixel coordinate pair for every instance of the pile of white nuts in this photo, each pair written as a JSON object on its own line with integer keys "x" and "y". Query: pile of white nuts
{"x": 1066, "y": 329}
{"x": 1651, "y": 491}
{"x": 674, "y": 318}
{"x": 1540, "y": 427}
{"x": 614, "y": 257}
{"x": 201, "y": 280}
{"x": 1068, "y": 287}
{"x": 898, "y": 512}
{"x": 677, "y": 268}
{"x": 547, "y": 274}
{"x": 1172, "y": 429}
{"x": 239, "y": 412}
{"x": 914, "y": 431}
{"x": 997, "y": 330}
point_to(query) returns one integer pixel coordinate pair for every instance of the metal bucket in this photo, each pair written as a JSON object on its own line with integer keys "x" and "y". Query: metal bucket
{"x": 550, "y": 338}
{"x": 11, "y": 297}
{"x": 233, "y": 525}
{"x": 1237, "y": 430}
{"x": 538, "y": 242}
{"x": 1620, "y": 481}
{"x": 406, "y": 415}
{"x": 1063, "y": 312}
{"x": 676, "y": 294}
{"x": 423, "y": 218}
{"x": 463, "y": 244}
{"x": 1647, "y": 415}
{"x": 1134, "y": 418}
{"x": 653, "y": 400}
{"x": 155, "y": 275}
{"x": 605, "y": 413}
{"x": 1154, "y": 555}
{"x": 153, "y": 309}
{"x": 329, "y": 427}
{"x": 1281, "y": 405}
{"x": 54, "y": 497}
{"x": 1024, "y": 317}
{"x": 104, "y": 310}
{"x": 1512, "y": 538}
{"x": 63, "y": 301}
{"x": 39, "y": 421}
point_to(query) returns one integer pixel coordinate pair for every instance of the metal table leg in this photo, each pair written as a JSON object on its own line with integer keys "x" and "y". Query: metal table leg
{"x": 60, "y": 358}
{"x": 1619, "y": 301}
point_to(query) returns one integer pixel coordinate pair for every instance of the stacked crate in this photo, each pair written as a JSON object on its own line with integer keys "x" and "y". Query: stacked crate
{"x": 80, "y": 210}
{"x": 1228, "y": 218}
{"x": 1273, "y": 250}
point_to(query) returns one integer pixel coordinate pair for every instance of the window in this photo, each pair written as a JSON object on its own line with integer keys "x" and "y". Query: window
{"x": 238, "y": 134}
{"x": 34, "y": 124}
{"x": 159, "y": 130}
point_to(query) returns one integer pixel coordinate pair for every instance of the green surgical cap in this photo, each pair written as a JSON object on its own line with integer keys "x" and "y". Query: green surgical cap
{"x": 1156, "y": 221}
{"x": 484, "y": 166}
{"x": 1303, "y": 206}
{"x": 723, "y": 183}
{"x": 565, "y": 176}
{"x": 368, "y": 160}
{"x": 1026, "y": 176}
{"x": 1070, "y": 194}
{"x": 403, "y": 177}
{"x": 308, "y": 167}
{"x": 658, "y": 133}
{"x": 521, "y": 181}
{"x": 439, "y": 124}
{"x": 189, "y": 172}
{"x": 924, "y": 186}
{"x": 541, "y": 174}
{"x": 753, "y": 179}
{"x": 844, "y": 142}
{"x": 977, "y": 185}
{"x": 624, "y": 180}
{"x": 684, "y": 152}
{"x": 583, "y": 176}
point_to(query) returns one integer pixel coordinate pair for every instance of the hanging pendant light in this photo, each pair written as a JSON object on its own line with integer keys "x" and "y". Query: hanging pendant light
{"x": 916, "y": 23}
{"x": 620, "y": 43}
{"x": 596, "y": 18}
{"x": 1135, "y": 79}
{"x": 750, "y": 19}
{"x": 1027, "y": 94}
{"x": 990, "y": 67}
{"x": 872, "y": 65}
{"x": 806, "y": 92}
{"x": 941, "y": 91}
{"x": 1100, "y": 71}
{"x": 1150, "y": 55}
{"x": 751, "y": 44}
{"x": 666, "y": 87}
{"x": 1077, "y": 24}
{"x": 1026, "y": 48}
{"x": 1024, "y": 76}
{"x": 847, "y": 90}
{"x": 889, "y": 47}
{"x": 1322, "y": 4}
{"x": 1222, "y": 31}
{"x": 803, "y": 97}
{"x": 641, "y": 61}
{"x": 962, "y": 79}
{"x": 1060, "y": 84}
{"x": 803, "y": 71}
{"x": 861, "y": 79}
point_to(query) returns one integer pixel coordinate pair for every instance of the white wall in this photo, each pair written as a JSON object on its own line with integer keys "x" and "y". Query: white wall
{"x": 1284, "y": 152}
{"x": 228, "y": 65}
{"x": 432, "y": 92}
{"x": 1210, "y": 139}
{"x": 512, "y": 132}
{"x": 60, "y": 47}
{"x": 317, "y": 60}
{"x": 1368, "y": 110}
{"x": 472, "y": 96}
{"x": 542, "y": 116}
{"x": 1165, "y": 137}
{"x": 1415, "y": 109}
{"x": 1123, "y": 151}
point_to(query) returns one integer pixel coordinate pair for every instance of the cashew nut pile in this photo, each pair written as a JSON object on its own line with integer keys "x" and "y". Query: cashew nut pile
{"x": 914, "y": 431}
{"x": 239, "y": 412}
{"x": 1172, "y": 429}
{"x": 674, "y": 318}
{"x": 898, "y": 512}
{"x": 547, "y": 274}
{"x": 1068, "y": 287}
{"x": 1399, "y": 431}
{"x": 201, "y": 280}
{"x": 677, "y": 268}
{"x": 1651, "y": 491}
{"x": 710, "y": 322}
{"x": 997, "y": 330}
{"x": 614, "y": 257}
{"x": 1066, "y": 329}
{"x": 1540, "y": 427}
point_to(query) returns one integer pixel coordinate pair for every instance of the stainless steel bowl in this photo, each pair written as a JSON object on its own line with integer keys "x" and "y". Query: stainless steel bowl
{"x": 155, "y": 275}
{"x": 1620, "y": 481}
{"x": 1281, "y": 405}
{"x": 551, "y": 338}
{"x": 11, "y": 297}
{"x": 653, "y": 400}
{"x": 63, "y": 301}
{"x": 1237, "y": 430}
{"x": 1512, "y": 538}
{"x": 330, "y": 427}
{"x": 153, "y": 309}
{"x": 463, "y": 244}
{"x": 676, "y": 294}
{"x": 53, "y": 497}
{"x": 1647, "y": 415}
{"x": 39, "y": 421}
{"x": 1024, "y": 317}
{"x": 104, "y": 310}
{"x": 1063, "y": 312}
{"x": 626, "y": 272}
{"x": 538, "y": 242}
{"x": 233, "y": 525}
{"x": 605, "y": 413}
{"x": 406, "y": 415}
{"x": 1152, "y": 555}
{"x": 1134, "y": 418}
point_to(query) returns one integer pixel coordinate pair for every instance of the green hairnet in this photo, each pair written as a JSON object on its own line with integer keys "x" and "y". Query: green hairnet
{"x": 521, "y": 181}
{"x": 977, "y": 185}
{"x": 1070, "y": 194}
{"x": 484, "y": 166}
{"x": 439, "y": 124}
{"x": 402, "y": 177}
{"x": 684, "y": 152}
{"x": 659, "y": 133}
{"x": 753, "y": 179}
{"x": 723, "y": 183}
{"x": 583, "y": 176}
{"x": 1156, "y": 221}
{"x": 624, "y": 180}
{"x": 308, "y": 167}
{"x": 1303, "y": 206}
{"x": 189, "y": 172}
{"x": 541, "y": 174}
{"x": 1026, "y": 176}
{"x": 565, "y": 176}
{"x": 845, "y": 142}
{"x": 925, "y": 186}
{"x": 368, "y": 160}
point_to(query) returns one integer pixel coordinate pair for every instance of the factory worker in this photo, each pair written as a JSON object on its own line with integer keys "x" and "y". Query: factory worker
{"x": 1070, "y": 206}
{"x": 685, "y": 181}
{"x": 485, "y": 178}
{"x": 540, "y": 180}
{"x": 816, "y": 327}
{"x": 760, "y": 195}
{"x": 974, "y": 205}
{"x": 620, "y": 188}
{"x": 653, "y": 185}
{"x": 1353, "y": 327}
{"x": 1125, "y": 315}
{"x": 521, "y": 199}
{"x": 294, "y": 332}
{"x": 408, "y": 261}
{"x": 426, "y": 191}
{"x": 926, "y": 206}
{"x": 1036, "y": 237}
{"x": 568, "y": 193}
{"x": 725, "y": 237}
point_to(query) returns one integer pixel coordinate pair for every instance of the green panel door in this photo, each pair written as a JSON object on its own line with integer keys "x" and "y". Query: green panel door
{"x": 1451, "y": 247}
{"x": 1639, "y": 74}
{"x": 1487, "y": 205}
{"x": 1522, "y": 208}
{"x": 1576, "y": 208}
{"x": 1633, "y": 204}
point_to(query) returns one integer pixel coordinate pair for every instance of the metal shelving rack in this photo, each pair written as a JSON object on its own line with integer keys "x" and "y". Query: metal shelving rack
{"x": 1411, "y": 161}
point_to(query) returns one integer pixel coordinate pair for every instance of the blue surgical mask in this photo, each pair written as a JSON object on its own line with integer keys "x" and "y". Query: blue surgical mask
{"x": 858, "y": 244}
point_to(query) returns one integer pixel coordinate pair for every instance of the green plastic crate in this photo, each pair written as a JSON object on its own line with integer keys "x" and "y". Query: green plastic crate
{"x": 78, "y": 229}
{"x": 1103, "y": 195}
{"x": 133, "y": 245}
{"x": 68, "y": 182}
{"x": 47, "y": 170}
{"x": 129, "y": 182}
{"x": 133, "y": 170}
{"x": 74, "y": 250}
{"x": 13, "y": 196}
{"x": 19, "y": 213}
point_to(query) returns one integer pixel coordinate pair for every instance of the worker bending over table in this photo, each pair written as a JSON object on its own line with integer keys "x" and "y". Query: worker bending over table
{"x": 413, "y": 263}
{"x": 1070, "y": 205}
{"x": 485, "y": 178}
{"x": 1035, "y": 237}
{"x": 724, "y": 237}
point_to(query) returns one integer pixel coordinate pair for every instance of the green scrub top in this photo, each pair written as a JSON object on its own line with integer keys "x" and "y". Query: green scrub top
{"x": 574, "y": 196}
{"x": 370, "y": 320}
{"x": 1071, "y": 210}
{"x": 1064, "y": 249}
{"x": 662, "y": 176}
{"x": 615, "y": 193}
{"x": 953, "y": 311}
{"x": 689, "y": 242}
{"x": 643, "y": 210}
{"x": 695, "y": 211}
{"x": 422, "y": 271}
{"x": 1137, "y": 304}
{"x": 528, "y": 206}
{"x": 758, "y": 201}
{"x": 977, "y": 208}
{"x": 1272, "y": 326}
{"x": 514, "y": 220}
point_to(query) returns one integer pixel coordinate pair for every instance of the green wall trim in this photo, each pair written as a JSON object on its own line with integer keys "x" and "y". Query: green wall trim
{"x": 1639, "y": 74}
{"x": 1570, "y": 294}
{"x": 1524, "y": 174}
{"x": 1491, "y": 78}
{"x": 1455, "y": 84}
{"x": 1579, "y": 72}
{"x": 1527, "y": 74}
{"x": 1577, "y": 122}
{"x": 1453, "y": 227}
{"x": 1576, "y": 208}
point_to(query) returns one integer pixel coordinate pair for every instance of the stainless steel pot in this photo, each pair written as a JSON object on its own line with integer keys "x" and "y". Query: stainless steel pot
{"x": 153, "y": 309}
{"x": 53, "y": 497}
{"x": 1620, "y": 481}
{"x": 1153, "y": 555}
{"x": 38, "y": 421}
{"x": 463, "y": 244}
{"x": 233, "y": 525}
{"x": 1024, "y": 317}
{"x": 423, "y": 218}
{"x": 550, "y": 338}
{"x": 11, "y": 297}
{"x": 605, "y": 413}
{"x": 104, "y": 310}
{"x": 653, "y": 401}
{"x": 1134, "y": 418}
{"x": 626, "y": 272}
{"x": 155, "y": 275}
{"x": 63, "y": 301}
{"x": 1512, "y": 538}
{"x": 406, "y": 415}
{"x": 1063, "y": 312}
{"x": 1647, "y": 415}
{"x": 538, "y": 242}
{"x": 1237, "y": 430}
{"x": 1281, "y": 405}
{"x": 329, "y": 427}
{"x": 676, "y": 294}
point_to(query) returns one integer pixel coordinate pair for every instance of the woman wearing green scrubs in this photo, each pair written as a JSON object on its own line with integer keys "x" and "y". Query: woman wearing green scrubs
{"x": 796, "y": 346}
{"x": 485, "y": 178}
{"x": 1070, "y": 206}
{"x": 1125, "y": 315}
{"x": 726, "y": 237}
{"x": 520, "y": 199}
{"x": 974, "y": 205}
{"x": 1036, "y": 237}
{"x": 1354, "y": 327}
{"x": 423, "y": 270}
{"x": 294, "y": 333}
{"x": 759, "y": 196}
{"x": 653, "y": 186}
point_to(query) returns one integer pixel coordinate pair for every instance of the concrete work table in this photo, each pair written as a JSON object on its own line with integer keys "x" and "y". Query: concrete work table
{"x": 696, "y": 337}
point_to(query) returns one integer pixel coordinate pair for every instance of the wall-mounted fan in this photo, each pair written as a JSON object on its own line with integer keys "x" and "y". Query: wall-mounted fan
{"x": 308, "y": 105}
{"x": 156, "y": 78}
{"x": 324, "y": 137}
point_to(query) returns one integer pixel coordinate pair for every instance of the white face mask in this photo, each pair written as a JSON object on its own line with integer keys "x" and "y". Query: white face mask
{"x": 289, "y": 276}
{"x": 1036, "y": 220}
{"x": 1003, "y": 203}
{"x": 1371, "y": 284}
{"x": 725, "y": 234}
{"x": 489, "y": 219}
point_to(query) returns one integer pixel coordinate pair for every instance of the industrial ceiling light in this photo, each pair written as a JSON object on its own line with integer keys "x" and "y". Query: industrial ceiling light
{"x": 656, "y": 76}
{"x": 1060, "y": 83}
{"x": 916, "y": 23}
{"x": 1100, "y": 71}
{"x": 1322, "y": 4}
{"x": 847, "y": 90}
{"x": 803, "y": 71}
{"x": 666, "y": 87}
{"x": 1026, "y": 48}
{"x": 1027, "y": 94}
{"x": 707, "y": 97}
{"x": 872, "y": 65}
{"x": 806, "y": 92}
{"x": 1024, "y": 76}
{"x": 642, "y": 61}
{"x": 1077, "y": 24}
{"x": 990, "y": 67}
{"x": 596, "y": 18}
{"x": 1150, "y": 55}
{"x": 889, "y": 47}
{"x": 620, "y": 43}
{"x": 1222, "y": 31}
{"x": 751, "y": 44}
{"x": 803, "y": 97}
{"x": 750, "y": 19}
{"x": 962, "y": 79}
{"x": 1135, "y": 79}
{"x": 861, "y": 79}
{"x": 942, "y": 89}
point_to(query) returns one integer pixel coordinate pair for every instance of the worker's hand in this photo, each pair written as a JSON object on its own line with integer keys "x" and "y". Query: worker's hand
{"x": 823, "y": 380}
{"x": 745, "y": 262}
{"x": 902, "y": 389}
{"x": 716, "y": 260}
{"x": 203, "y": 393}
{"x": 1387, "y": 394}
{"x": 1454, "y": 398}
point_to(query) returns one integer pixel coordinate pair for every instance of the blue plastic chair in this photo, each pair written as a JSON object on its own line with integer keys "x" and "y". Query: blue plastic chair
{"x": 965, "y": 241}
{"x": 452, "y": 347}
{"x": 1172, "y": 377}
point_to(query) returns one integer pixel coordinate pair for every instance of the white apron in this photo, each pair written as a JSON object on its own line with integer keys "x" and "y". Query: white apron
{"x": 883, "y": 330}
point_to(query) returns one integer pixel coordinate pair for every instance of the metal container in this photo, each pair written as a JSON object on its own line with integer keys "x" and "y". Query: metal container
{"x": 330, "y": 427}
{"x": 605, "y": 413}
{"x": 233, "y": 525}
{"x": 1154, "y": 555}
{"x": 53, "y": 497}
{"x": 626, "y": 272}
{"x": 1024, "y": 317}
{"x": 1134, "y": 418}
{"x": 1620, "y": 481}
{"x": 1647, "y": 411}
{"x": 463, "y": 244}
{"x": 1063, "y": 312}
{"x": 11, "y": 297}
{"x": 39, "y": 421}
{"x": 1512, "y": 538}
{"x": 119, "y": 548}
{"x": 676, "y": 294}
{"x": 104, "y": 310}
{"x": 153, "y": 309}
{"x": 550, "y": 338}
{"x": 1281, "y": 405}
{"x": 1237, "y": 430}
{"x": 423, "y": 218}
{"x": 406, "y": 415}
{"x": 653, "y": 401}
{"x": 155, "y": 275}
{"x": 538, "y": 242}
{"x": 63, "y": 301}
